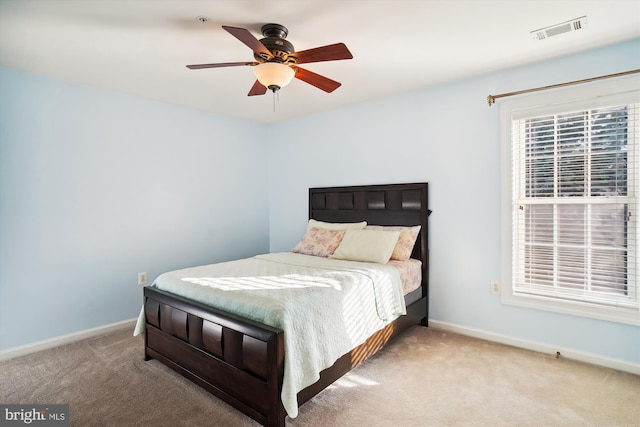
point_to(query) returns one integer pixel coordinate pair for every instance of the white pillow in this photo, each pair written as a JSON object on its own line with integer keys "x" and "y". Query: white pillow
{"x": 367, "y": 245}
{"x": 336, "y": 225}
{"x": 406, "y": 241}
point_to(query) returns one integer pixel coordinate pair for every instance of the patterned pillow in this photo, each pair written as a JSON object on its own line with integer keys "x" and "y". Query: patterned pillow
{"x": 406, "y": 241}
{"x": 319, "y": 242}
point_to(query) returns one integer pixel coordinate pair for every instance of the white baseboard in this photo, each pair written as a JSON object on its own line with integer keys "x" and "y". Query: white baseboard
{"x": 620, "y": 365}
{"x": 66, "y": 339}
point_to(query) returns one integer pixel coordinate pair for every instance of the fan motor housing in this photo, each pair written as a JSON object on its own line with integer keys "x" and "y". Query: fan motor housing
{"x": 274, "y": 40}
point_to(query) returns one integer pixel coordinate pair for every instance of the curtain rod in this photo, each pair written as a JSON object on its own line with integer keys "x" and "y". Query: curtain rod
{"x": 491, "y": 99}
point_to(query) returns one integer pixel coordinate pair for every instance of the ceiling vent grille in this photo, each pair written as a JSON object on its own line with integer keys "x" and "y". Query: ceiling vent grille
{"x": 564, "y": 27}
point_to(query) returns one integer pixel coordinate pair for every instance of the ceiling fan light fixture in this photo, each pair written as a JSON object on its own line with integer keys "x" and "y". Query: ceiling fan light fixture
{"x": 273, "y": 75}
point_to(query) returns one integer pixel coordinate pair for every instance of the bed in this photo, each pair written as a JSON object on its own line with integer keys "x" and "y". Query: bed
{"x": 241, "y": 360}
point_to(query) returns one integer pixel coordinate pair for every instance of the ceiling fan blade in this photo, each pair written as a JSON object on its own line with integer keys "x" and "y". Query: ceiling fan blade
{"x": 220, "y": 64}
{"x": 257, "y": 89}
{"x": 332, "y": 52}
{"x": 247, "y": 38}
{"x": 317, "y": 80}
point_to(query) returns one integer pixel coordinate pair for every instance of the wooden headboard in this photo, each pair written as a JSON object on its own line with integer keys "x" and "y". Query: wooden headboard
{"x": 391, "y": 204}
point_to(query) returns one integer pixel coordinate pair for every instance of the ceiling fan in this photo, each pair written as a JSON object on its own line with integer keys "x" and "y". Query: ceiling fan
{"x": 276, "y": 61}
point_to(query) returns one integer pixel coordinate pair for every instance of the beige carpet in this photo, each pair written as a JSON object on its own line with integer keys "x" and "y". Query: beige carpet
{"x": 425, "y": 378}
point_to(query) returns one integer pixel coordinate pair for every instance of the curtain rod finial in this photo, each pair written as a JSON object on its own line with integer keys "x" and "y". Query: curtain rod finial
{"x": 490, "y": 100}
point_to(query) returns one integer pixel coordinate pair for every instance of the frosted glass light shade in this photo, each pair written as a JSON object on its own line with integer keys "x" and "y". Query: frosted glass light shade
{"x": 273, "y": 74}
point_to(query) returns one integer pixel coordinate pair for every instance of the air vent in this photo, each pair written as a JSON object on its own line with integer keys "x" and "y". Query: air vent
{"x": 564, "y": 27}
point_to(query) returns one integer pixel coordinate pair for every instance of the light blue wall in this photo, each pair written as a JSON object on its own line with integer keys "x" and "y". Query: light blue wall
{"x": 97, "y": 186}
{"x": 448, "y": 136}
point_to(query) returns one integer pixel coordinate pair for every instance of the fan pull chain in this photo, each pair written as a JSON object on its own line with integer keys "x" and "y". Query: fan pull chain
{"x": 276, "y": 96}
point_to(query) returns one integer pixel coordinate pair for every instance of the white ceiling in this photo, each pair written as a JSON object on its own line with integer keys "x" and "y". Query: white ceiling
{"x": 141, "y": 47}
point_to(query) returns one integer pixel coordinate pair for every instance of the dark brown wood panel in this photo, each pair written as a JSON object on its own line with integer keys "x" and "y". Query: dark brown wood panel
{"x": 152, "y": 312}
{"x": 212, "y": 338}
{"x": 194, "y": 324}
{"x": 255, "y": 356}
{"x": 232, "y": 347}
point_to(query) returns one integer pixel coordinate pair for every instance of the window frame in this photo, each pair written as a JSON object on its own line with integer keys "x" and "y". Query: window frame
{"x": 584, "y": 96}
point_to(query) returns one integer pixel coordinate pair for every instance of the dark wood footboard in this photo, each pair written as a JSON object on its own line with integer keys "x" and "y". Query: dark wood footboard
{"x": 236, "y": 359}
{"x": 239, "y": 360}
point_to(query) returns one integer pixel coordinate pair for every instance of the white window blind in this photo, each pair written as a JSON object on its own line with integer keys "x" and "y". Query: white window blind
{"x": 575, "y": 206}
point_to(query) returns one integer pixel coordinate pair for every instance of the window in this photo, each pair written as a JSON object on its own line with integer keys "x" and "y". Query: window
{"x": 572, "y": 195}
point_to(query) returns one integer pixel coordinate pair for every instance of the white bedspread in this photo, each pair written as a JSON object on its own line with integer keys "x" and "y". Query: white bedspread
{"x": 325, "y": 307}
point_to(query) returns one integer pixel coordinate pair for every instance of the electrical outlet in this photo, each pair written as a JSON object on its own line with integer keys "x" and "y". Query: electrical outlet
{"x": 142, "y": 279}
{"x": 495, "y": 287}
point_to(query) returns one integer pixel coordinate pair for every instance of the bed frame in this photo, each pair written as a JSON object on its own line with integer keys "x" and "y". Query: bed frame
{"x": 242, "y": 361}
